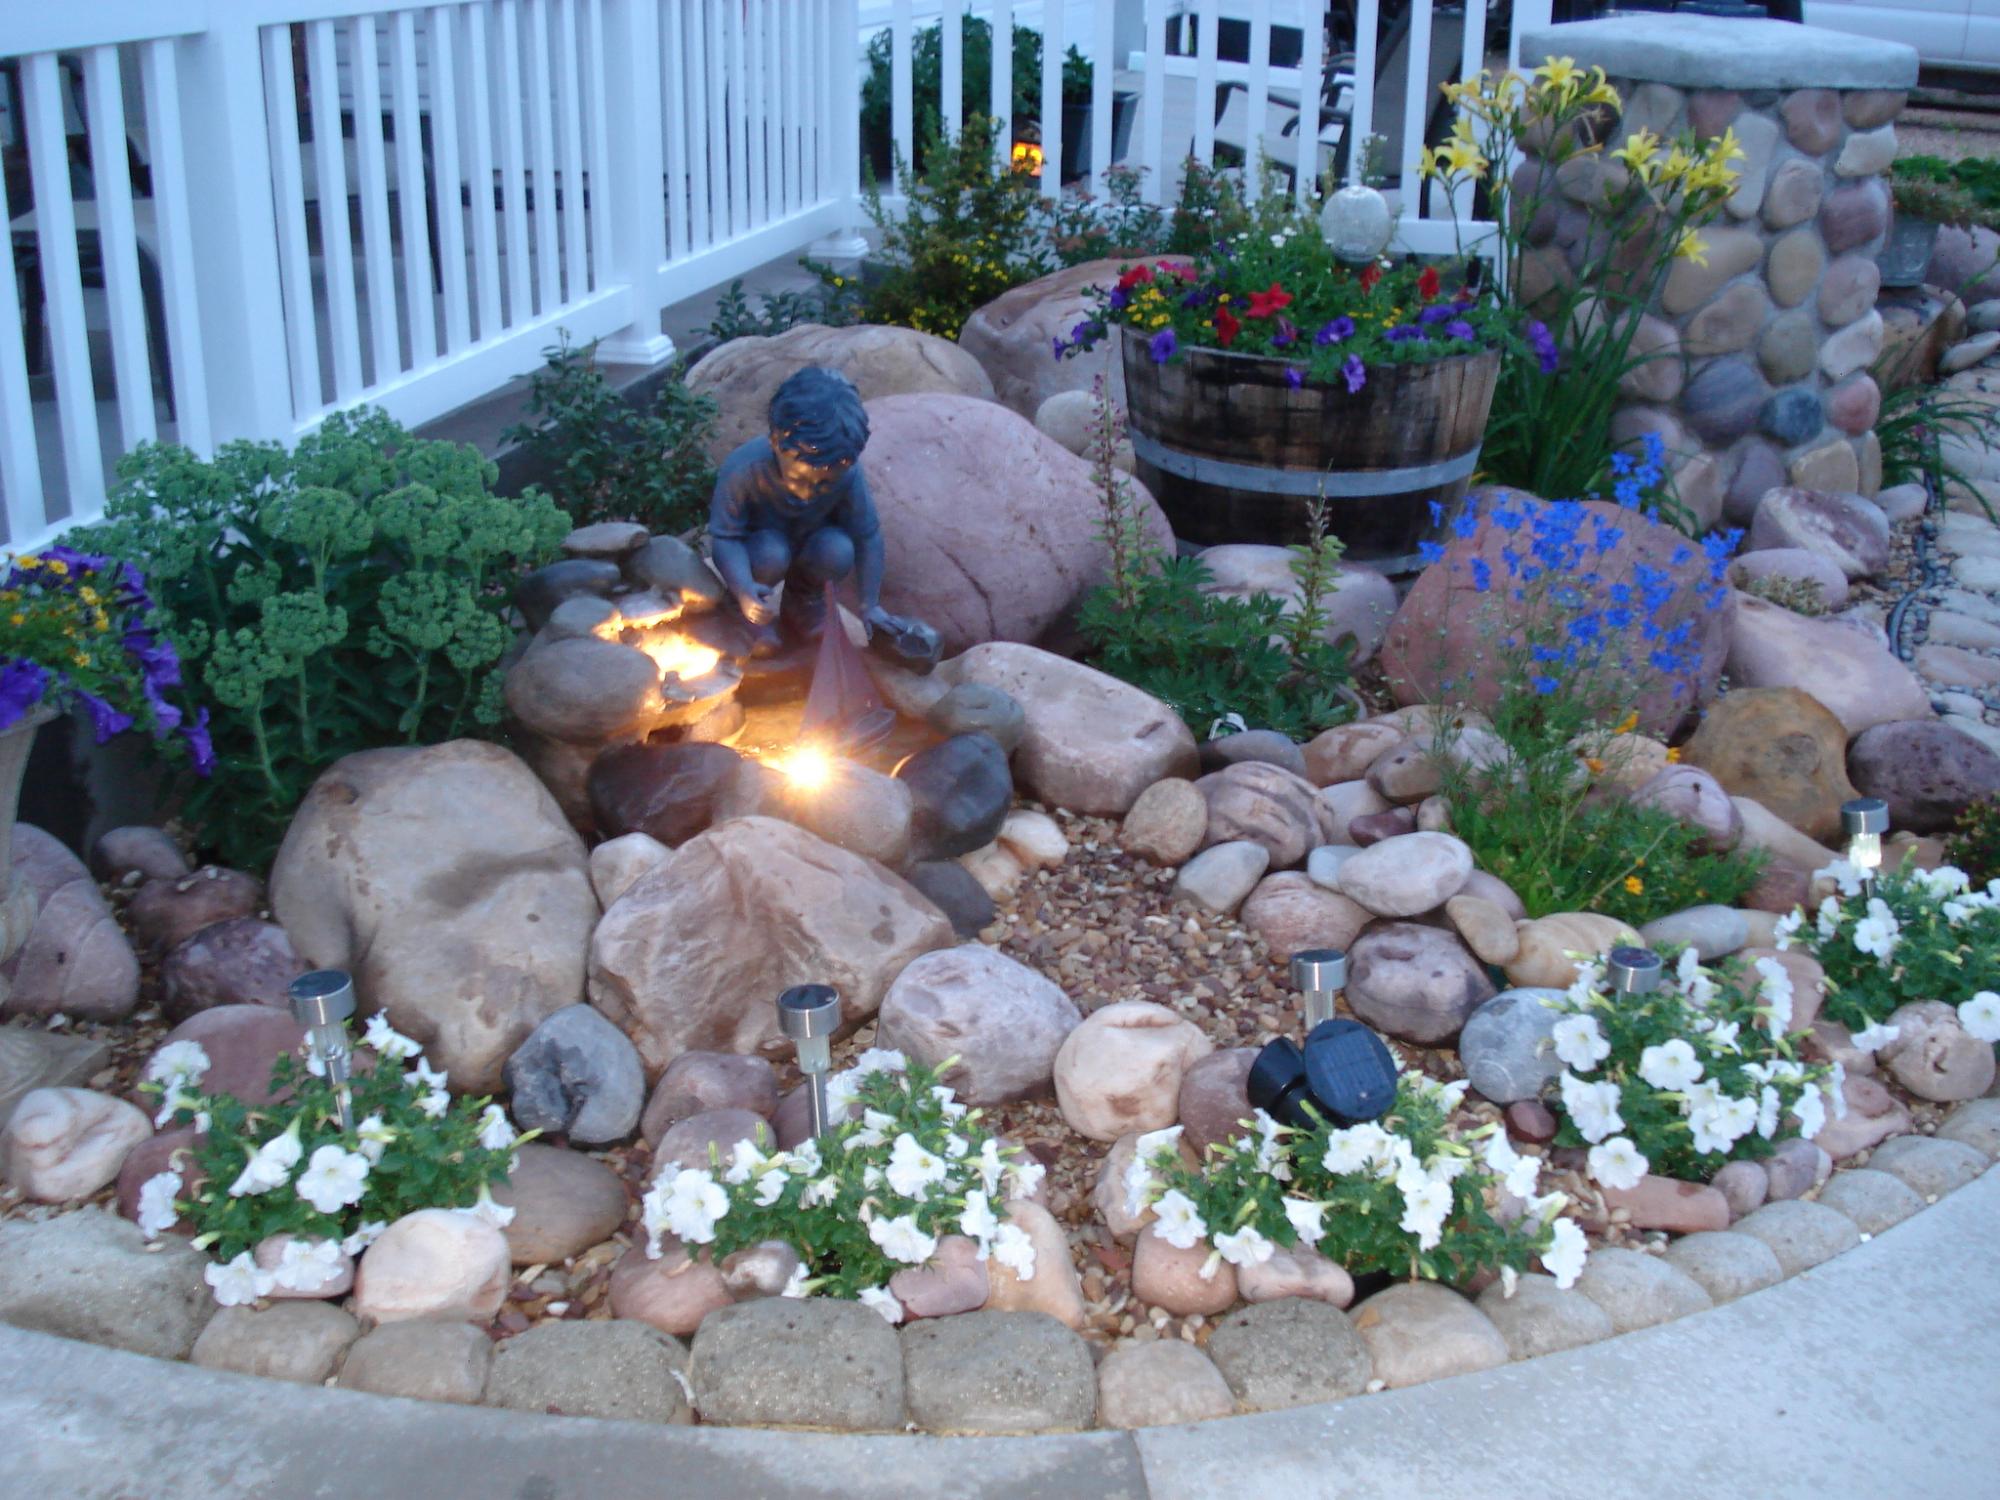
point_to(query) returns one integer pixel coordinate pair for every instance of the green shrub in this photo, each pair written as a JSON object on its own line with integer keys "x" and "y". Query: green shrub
{"x": 1972, "y": 189}
{"x": 834, "y": 303}
{"x": 609, "y": 460}
{"x": 347, "y": 595}
{"x": 1974, "y": 843}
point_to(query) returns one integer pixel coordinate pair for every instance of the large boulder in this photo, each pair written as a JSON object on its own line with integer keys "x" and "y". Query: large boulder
{"x": 1780, "y": 747}
{"x": 692, "y": 956}
{"x": 75, "y": 962}
{"x": 744, "y": 374}
{"x": 1846, "y": 530}
{"x": 1447, "y": 628}
{"x": 1001, "y": 1021}
{"x": 1924, "y": 769}
{"x": 1851, "y": 673}
{"x": 1013, "y": 338}
{"x": 992, "y": 527}
{"x": 448, "y": 882}
{"x": 1360, "y": 605}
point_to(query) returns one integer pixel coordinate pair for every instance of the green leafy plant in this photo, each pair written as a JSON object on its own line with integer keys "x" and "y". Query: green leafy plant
{"x": 834, "y": 303}
{"x": 1909, "y": 935}
{"x": 1972, "y": 189}
{"x": 346, "y": 595}
{"x": 1915, "y": 420}
{"x": 1412, "y": 1194}
{"x": 1802, "y": 596}
{"x": 1703, "y": 1070}
{"x": 608, "y": 460}
{"x": 872, "y": 1197}
{"x": 1210, "y": 657}
{"x": 287, "y": 1167}
{"x": 1082, "y": 228}
{"x": 1024, "y": 106}
{"x": 1974, "y": 843}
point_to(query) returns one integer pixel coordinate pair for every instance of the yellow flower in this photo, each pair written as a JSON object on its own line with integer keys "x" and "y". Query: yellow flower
{"x": 1638, "y": 153}
{"x": 1627, "y": 724}
{"x": 1593, "y": 765}
{"x": 1674, "y": 756}
{"x": 1601, "y": 92}
{"x": 17, "y": 619}
{"x": 1727, "y": 147}
{"x": 57, "y": 566}
{"x": 1634, "y": 885}
{"x": 1692, "y": 247}
{"x": 1559, "y": 72}
{"x": 1463, "y": 156}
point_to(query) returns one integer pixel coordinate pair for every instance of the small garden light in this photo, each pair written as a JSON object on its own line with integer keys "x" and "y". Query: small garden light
{"x": 1864, "y": 821}
{"x": 808, "y": 1015}
{"x": 1634, "y": 971}
{"x": 322, "y": 1001}
{"x": 1320, "y": 974}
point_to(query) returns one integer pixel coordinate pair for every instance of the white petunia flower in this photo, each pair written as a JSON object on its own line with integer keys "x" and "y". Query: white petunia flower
{"x": 1617, "y": 1164}
{"x": 883, "y": 1301}
{"x": 1246, "y": 1247}
{"x": 1424, "y": 1208}
{"x": 948, "y": 1103}
{"x": 1878, "y": 933}
{"x": 238, "y": 1283}
{"x": 770, "y": 1188}
{"x": 1565, "y": 1256}
{"x": 270, "y": 1166}
{"x": 1877, "y": 1035}
{"x": 1015, "y": 1250}
{"x": 1308, "y": 1219}
{"x": 499, "y": 1215}
{"x": 1671, "y": 1066}
{"x": 1775, "y": 989}
{"x": 912, "y": 1169}
{"x": 334, "y": 1179}
{"x": 1836, "y": 1090}
{"x": 1810, "y": 1112}
{"x": 1518, "y": 1174}
{"x": 157, "y": 1209}
{"x": 745, "y": 1161}
{"x": 307, "y": 1265}
{"x": 978, "y": 1221}
{"x": 875, "y": 1128}
{"x": 386, "y": 1040}
{"x": 434, "y": 1103}
{"x": 900, "y": 1239}
{"x": 1348, "y": 1151}
{"x": 1980, "y": 1016}
{"x": 823, "y": 1191}
{"x": 844, "y": 1088}
{"x": 178, "y": 1063}
{"x": 422, "y": 1073}
{"x": 1945, "y": 880}
{"x": 1592, "y": 1107}
{"x": 1722, "y": 1038}
{"x": 1270, "y": 1148}
{"x": 1845, "y": 876}
{"x": 795, "y": 1284}
{"x": 685, "y": 1201}
{"x": 1720, "y": 1123}
{"x": 1509, "y": 1280}
{"x": 1023, "y": 1177}
{"x": 1787, "y": 928}
{"x": 496, "y": 1131}
{"x": 802, "y": 1160}
{"x": 1827, "y": 920}
{"x": 1179, "y": 1222}
{"x": 362, "y": 1238}
{"x": 956, "y": 1147}
{"x": 1769, "y": 1107}
{"x": 1580, "y": 1042}
{"x": 374, "y": 1137}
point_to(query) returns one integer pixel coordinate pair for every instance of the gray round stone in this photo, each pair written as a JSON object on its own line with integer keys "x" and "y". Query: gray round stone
{"x": 618, "y": 1369}
{"x": 1159, "y": 1384}
{"x": 1800, "y": 1233}
{"x": 1543, "y": 1318}
{"x": 421, "y": 1361}
{"x": 1639, "y": 1290}
{"x": 1712, "y": 931}
{"x": 974, "y": 707}
{"x": 993, "y": 1371}
{"x": 1930, "y": 1166}
{"x": 1292, "y": 1352}
{"x": 1792, "y": 416}
{"x": 766, "y": 1364}
{"x": 297, "y": 1341}
{"x": 1505, "y": 1045}
{"x": 1417, "y": 1331}
{"x": 577, "y": 1074}
{"x": 1265, "y": 745}
{"x": 1875, "y": 1201}
{"x": 1726, "y": 1264}
{"x": 1975, "y": 1123}
{"x": 90, "y": 1275}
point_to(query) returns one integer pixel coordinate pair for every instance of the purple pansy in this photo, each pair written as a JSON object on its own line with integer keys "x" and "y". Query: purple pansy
{"x": 1334, "y": 332}
{"x": 1407, "y": 334}
{"x": 1162, "y": 345}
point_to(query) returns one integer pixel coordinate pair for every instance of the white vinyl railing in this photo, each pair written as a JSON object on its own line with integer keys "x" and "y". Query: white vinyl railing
{"x": 230, "y": 217}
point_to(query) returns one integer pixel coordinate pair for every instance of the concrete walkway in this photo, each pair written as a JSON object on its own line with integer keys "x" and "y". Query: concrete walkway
{"x": 1872, "y": 1377}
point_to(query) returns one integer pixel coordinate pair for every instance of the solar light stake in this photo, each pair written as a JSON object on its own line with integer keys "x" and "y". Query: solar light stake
{"x": 322, "y": 1001}
{"x": 1864, "y": 821}
{"x": 1320, "y": 974}
{"x": 808, "y": 1014}
{"x": 1634, "y": 971}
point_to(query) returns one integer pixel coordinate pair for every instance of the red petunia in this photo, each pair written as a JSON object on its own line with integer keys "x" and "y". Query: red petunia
{"x": 1267, "y": 304}
{"x": 1134, "y": 277}
{"x": 1370, "y": 274}
{"x": 1226, "y": 327}
{"x": 1427, "y": 284}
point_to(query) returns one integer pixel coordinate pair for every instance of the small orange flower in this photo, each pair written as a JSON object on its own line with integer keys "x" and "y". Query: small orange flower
{"x": 1634, "y": 885}
{"x": 1674, "y": 756}
{"x": 1593, "y": 765}
{"x": 1627, "y": 724}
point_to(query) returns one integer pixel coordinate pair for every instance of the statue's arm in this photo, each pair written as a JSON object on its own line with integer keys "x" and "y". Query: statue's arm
{"x": 866, "y": 530}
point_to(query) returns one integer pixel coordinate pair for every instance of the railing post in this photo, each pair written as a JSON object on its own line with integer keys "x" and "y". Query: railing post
{"x": 231, "y": 213}
{"x": 632, "y": 81}
{"x": 841, "y": 123}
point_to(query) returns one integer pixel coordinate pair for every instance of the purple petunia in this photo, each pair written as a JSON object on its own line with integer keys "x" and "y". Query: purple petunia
{"x": 1409, "y": 333}
{"x": 1162, "y": 345}
{"x": 1287, "y": 333}
{"x": 1334, "y": 332}
{"x": 1354, "y": 373}
{"x": 1458, "y": 328}
{"x": 22, "y": 684}
{"x": 1119, "y": 298}
{"x": 1437, "y": 312}
{"x": 1544, "y": 344}
{"x": 1294, "y": 376}
{"x": 105, "y": 721}
{"x": 199, "y": 744}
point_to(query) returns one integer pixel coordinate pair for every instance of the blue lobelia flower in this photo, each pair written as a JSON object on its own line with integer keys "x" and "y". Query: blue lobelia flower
{"x": 1544, "y": 685}
{"x": 1482, "y": 574}
{"x": 1430, "y": 552}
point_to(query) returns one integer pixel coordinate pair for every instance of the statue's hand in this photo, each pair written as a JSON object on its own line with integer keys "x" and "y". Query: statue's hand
{"x": 875, "y": 617}
{"x": 757, "y": 604}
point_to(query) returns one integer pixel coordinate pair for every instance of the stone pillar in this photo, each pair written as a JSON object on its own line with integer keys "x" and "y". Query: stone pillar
{"x": 1766, "y": 349}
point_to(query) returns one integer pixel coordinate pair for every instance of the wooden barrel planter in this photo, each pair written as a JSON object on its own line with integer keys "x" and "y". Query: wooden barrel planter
{"x": 1233, "y": 453}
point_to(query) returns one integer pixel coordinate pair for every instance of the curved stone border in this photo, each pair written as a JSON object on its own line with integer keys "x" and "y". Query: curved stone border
{"x": 1846, "y": 1351}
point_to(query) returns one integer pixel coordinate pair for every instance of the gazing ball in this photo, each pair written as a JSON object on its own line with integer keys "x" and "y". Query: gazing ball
{"x": 1357, "y": 224}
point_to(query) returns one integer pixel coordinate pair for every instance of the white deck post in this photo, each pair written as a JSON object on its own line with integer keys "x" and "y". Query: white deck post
{"x": 840, "y": 122}
{"x": 638, "y": 175}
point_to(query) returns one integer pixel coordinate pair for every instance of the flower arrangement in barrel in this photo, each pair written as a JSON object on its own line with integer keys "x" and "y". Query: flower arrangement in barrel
{"x": 76, "y": 632}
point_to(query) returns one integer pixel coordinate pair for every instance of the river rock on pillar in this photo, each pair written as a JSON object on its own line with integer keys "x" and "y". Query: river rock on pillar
{"x": 448, "y": 882}
{"x": 693, "y": 955}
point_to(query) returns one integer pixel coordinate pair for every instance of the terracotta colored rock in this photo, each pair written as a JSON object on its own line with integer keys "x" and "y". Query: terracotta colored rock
{"x": 1873, "y": 1115}
{"x": 1857, "y": 679}
{"x": 1417, "y": 984}
{"x": 1406, "y": 773}
{"x": 1853, "y": 215}
{"x": 1163, "y": 1276}
{"x": 1530, "y": 1120}
{"x": 1376, "y": 827}
{"x": 171, "y": 1150}
{"x": 745, "y": 373}
{"x": 1696, "y": 798}
{"x": 1002, "y": 1021}
{"x": 954, "y": 1280}
{"x": 1933, "y": 1056}
{"x": 1848, "y": 531}
{"x": 75, "y": 960}
{"x": 1547, "y": 942}
{"x": 1794, "y": 565}
{"x": 690, "y": 958}
{"x": 242, "y": 1042}
{"x": 1214, "y": 1099}
{"x": 139, "y": 850}
{"x": 61, "y": 1143}
{"x": 1292, "y": 913}
{"x": 1121, "y": 1070}
{"x": 1780, "y": 747}
{"x": 1666, "y": 1203}
{"x": 238, "y": 961}
{"x": 696, "y": 1082}
{"x": 1167, "y": 822}
{"x": 1744, "y": 1186}
{"x": 1345, "y": 752}
{"x": 1264, "y": 805}
{"x": 1487, "y": 930}
{"x": 1295, "y": 1271}
{"x": 1924, "y": 769}
{"x": 1010, "y": 337}
{"x": 166, "y": 913}
{"x": 1417, "y": 1331}
{"x": 436, "y": 1264}
{"x": 1055, "y": 1288}
{"x": 1022, "y": 545}
{"x": 1093, "y": 743}
{"x": 702, "y": 1140}
{"x": 1445, "y": 628}
{"x": 672, "y": 1293}
{"x": 564, "y": 1202}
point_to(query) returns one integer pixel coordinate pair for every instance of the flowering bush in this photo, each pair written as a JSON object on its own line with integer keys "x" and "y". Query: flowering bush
{"x": 77, "y": 629}
{"x": 1410, "y": 1194}
{"x": 871, "y": 1197}
{"x": 1575, "y": 631}
{"x": 1702, "y": 1071}
{"x": 288, "y": 1168}
{"x": 1917, "y": 935}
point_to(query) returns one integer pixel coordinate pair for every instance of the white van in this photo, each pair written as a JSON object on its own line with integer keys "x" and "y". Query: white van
{"x": 1946, "y": 33}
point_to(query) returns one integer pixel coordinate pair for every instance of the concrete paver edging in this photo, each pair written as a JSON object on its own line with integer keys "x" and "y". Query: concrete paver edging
{"x": 1875, "y": 1374}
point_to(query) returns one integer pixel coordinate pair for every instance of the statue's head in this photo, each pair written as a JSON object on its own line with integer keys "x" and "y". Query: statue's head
{"x": 818, "y": 430}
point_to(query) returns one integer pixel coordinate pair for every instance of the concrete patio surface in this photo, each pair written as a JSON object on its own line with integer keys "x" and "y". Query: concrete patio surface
{"x": 1874, "y": 1376}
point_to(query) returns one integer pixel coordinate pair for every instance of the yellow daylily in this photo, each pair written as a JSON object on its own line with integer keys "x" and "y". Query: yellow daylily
{"x": 1638, "y": 153}
{"x": 1692, "y": 246}
{"x": 1559, "y": 72}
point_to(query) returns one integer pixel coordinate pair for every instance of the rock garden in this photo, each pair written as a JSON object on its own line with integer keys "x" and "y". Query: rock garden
{"x": 872, "y": 895}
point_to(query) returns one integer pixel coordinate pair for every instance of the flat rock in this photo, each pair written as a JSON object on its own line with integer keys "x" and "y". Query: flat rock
{"x": 1486, "y": 929}
{"x": 1345, "y": 753}
{"x": 1873, "y": 1116}
{"x": 137, "y": 849}
{"x": 763, "y": 1364}
{"x": 1800, "y": 1233}
{"x": 91, "y": 1275}
{"x": 619, "y": 1370}
{"x": 1293, "y": 1352}
{"x": 1793, "y": 565}
{"x": 1547, "y": 943}
{"x": 420, "y": 1361}
{"x": 1639, "y": 1290}
{"x": 1714, "y": 932}
{"x": 297, "y": 1341}
{"x": 953, "y": 1281}
{"x": 1266, "y": 746}
{"x": 1417, "y": 1331}
{"x": 1874, "y": 1200}
{"x": 564, "y": 1202}
{"x": 1924, "y": 769}
{"x": 237, "y": 961}
{"x": 1848, "y": 531}
{"x": 1407, "y": 875}
{"x": 1856, "y": 679}
{"x": 1543, "y": 1318}
{"x": 997, "y": 1372}
{"x": 1160, "y": 1384}
{"x": 1000, "y": 1020}
{"x": 1726, "y": 1264}
{"x": 1222, "y": 876}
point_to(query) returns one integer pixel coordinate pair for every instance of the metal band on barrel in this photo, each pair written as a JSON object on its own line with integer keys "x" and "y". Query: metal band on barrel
{"x": 1352, "y": 485}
